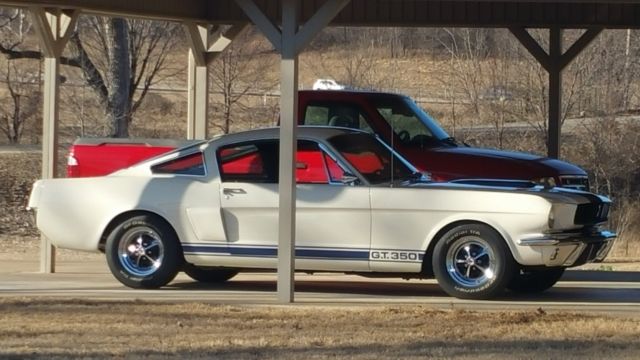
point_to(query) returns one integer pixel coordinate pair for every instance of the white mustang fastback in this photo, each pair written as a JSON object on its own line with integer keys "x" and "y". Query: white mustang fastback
{"x": 211, "y": 210}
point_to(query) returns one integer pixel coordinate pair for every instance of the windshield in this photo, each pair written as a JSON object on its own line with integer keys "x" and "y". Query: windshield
{"x": 376, "y": 162}
{"x": 411, "y": 125}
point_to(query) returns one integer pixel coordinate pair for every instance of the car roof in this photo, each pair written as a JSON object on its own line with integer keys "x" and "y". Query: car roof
{"x": 321, "y": 133}
{"x": 363, "y": 92}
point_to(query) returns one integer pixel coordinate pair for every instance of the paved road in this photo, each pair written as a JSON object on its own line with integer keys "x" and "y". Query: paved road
{"x": 606, "y": 292}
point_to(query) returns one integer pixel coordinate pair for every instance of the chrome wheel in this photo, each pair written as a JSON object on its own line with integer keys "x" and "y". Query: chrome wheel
{"x": 471, "y": 262}
{"x": 141, "y": 251}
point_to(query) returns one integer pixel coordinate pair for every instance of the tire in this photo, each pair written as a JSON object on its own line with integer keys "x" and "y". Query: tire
{"x": 472, "y": 261}
{"x": 212, "y": 276}
{"x": 535, "y": 281}
{"x": 143, "y": 252}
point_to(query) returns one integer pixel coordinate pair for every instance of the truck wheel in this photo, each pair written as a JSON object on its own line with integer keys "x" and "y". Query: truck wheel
{"x": 143, "y": 252}
{"x": 213, "y": 275}
{"x": 472, "y": 261}
{"x": 535, "y": 281}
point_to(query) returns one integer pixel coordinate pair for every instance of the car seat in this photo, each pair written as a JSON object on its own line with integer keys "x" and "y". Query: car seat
{"x": 341, "y": 121}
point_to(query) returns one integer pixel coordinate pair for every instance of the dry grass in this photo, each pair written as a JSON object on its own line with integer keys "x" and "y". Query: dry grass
{"x": 86, "y": 329}
{"x": 18, "y": 171}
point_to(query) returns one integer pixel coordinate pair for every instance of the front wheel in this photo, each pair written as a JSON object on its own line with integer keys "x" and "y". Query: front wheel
{"x": 143, "y": 252}
{"x": 472, "y": 261}
{"x": 535, "y": 281}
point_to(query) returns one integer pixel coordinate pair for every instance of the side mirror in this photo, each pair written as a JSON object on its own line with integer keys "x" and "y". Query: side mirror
{"x": 349, "y": 179}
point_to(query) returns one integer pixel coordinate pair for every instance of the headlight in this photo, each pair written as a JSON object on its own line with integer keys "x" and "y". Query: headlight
{"x": 547, "y": 182}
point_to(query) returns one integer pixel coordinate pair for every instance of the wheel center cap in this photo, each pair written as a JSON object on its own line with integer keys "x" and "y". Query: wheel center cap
{"x": 136, "y": 250}
{"x": 469, "y": 261}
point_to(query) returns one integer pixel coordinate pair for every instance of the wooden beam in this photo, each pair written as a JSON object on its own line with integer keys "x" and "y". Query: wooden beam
{"x": 579, "y": 45}
{"x": 270, "y": 31}
{"x": 223, "y": 39}
{"x": 198, "y": 38}
{"x": 555, "y": 93}
{"x": 54, "y": 27}
{"x": 531, "y": 45}
{"x": 288, "y": 148}
{"x": 317, "y": 22}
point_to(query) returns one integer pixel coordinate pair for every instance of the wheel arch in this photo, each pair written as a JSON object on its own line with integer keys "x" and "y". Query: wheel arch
{"x": 127, "y": 215}
{"x": 427, "y": 266}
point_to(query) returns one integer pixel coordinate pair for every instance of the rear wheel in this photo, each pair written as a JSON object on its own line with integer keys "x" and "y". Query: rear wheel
{"x": 472, "y": 261}
{"x": 208, "y": 275}
{"x": 143, "y": 252}
{"x": 534, "y": 281}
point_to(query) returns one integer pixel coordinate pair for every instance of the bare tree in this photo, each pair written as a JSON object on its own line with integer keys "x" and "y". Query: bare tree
{"x": 21, "y": 106}
{"x": 22, "y": 103}
{"x": 481, "y": 68}
{"x": 241, "y": 69}
{"x": 120, "y": 60}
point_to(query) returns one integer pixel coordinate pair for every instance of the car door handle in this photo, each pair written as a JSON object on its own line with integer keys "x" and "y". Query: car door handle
{"x": 236, "y": 191}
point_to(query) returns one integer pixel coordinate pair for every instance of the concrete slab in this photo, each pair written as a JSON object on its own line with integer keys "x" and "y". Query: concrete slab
{"x": 89, "y": 278}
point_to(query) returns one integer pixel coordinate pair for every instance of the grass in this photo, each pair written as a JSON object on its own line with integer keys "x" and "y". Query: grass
{"x": 39, "y": 328}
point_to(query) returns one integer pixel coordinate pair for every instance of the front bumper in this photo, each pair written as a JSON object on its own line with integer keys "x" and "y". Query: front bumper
{"x": 571, "y": 249}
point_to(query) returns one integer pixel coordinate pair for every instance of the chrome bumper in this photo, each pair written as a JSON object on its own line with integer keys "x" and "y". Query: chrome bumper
{"x": 571, "y": 249}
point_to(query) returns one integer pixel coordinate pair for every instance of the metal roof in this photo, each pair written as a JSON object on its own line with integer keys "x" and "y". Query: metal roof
{"x": 463, "y": 13}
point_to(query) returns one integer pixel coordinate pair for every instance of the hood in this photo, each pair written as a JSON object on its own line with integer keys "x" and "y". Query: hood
{"x": 564, "y": 195}
{"x": 469, "y": 162}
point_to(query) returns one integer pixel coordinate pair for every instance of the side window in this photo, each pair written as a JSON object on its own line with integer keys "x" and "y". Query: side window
{"x": 311, "y": 167}
{"x": 256, "y": 162}
{"x": 192, "y": 164}
{"x": 335, "y": 171}
{"x": 405, "y": 123}
{"x": 366, "y": 162}
{"x": 364, "y": 124}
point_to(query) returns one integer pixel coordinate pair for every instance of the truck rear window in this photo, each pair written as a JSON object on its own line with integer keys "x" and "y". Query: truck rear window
{"x": 336, "y": 114}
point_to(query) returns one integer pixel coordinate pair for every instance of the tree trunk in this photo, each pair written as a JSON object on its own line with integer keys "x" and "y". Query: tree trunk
{"x": 118, "y": 107}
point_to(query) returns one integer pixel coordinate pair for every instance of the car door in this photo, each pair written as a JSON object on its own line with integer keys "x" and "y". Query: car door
{"x": 399, "y": 227}
{"x": 332, "y": 220}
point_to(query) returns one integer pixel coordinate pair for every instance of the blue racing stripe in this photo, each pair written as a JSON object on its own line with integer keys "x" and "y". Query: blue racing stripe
{"x": 333, "y": 254}
{"x": 270, "y": 251}
{"x": 273, "y": 252}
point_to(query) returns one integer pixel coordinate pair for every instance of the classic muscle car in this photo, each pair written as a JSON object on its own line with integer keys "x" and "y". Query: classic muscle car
{"x": 210, "y": 210}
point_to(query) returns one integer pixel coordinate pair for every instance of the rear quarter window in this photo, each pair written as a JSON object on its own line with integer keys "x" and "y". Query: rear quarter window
{"x": 192, "y": 164}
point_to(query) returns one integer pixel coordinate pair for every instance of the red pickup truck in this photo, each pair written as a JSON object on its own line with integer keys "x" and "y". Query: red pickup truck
{"x": 403, "y": 125}
{"x": 395, "y": 118}
{"x": 101, "y": 156}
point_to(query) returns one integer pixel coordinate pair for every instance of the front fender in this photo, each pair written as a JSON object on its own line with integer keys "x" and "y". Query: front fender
{"x": 451, "y": 221}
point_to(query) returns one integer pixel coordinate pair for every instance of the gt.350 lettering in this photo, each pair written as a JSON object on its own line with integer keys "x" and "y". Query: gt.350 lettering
{"x": 394, "y": 255}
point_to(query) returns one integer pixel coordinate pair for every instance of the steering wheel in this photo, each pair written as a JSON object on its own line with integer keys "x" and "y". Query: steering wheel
{"x": 404, "y": 136}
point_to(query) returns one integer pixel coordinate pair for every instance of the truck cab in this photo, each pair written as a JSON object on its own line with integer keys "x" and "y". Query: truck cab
{"x": 404, "y": 126}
